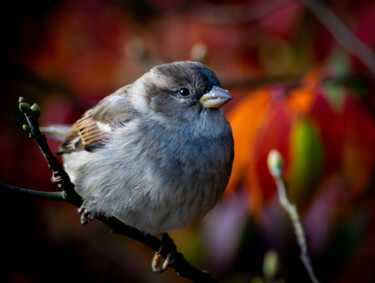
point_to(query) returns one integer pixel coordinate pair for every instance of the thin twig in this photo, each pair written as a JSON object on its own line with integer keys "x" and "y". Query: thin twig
{"x": 298, "y": 229}
{"x": 341, "y": 33}
{"x": 275, "y": 166}
{"x": 15, "y": 191}
{"x": 179, "y": 264}
{"x": 61, "y": 178}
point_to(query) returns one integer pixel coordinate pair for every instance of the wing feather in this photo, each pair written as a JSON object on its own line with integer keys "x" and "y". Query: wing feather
{"x": 93, "y": 130}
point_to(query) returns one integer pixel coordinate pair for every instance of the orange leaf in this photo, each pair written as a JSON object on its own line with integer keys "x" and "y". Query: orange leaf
{"x": 274, "y": 134}
{"x": 246, "y": 120}
{"x": 301, "y": 98}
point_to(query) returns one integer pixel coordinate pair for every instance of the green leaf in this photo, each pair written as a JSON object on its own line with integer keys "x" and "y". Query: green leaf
{"x": 306, "y": 158}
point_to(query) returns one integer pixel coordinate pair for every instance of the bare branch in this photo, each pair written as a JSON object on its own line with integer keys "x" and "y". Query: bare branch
{"x": 341, "y": 33}
{"x": 59, "y": 176}
{"x": 15, "y": 191}
{"x": 275, "y": 166}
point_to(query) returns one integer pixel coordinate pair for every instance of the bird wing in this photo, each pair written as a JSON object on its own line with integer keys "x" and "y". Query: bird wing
{"x": 93, "y": 130}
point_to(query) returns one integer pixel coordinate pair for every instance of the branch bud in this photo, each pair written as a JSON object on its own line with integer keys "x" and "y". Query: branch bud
{"x": 25, "y": 107}
{"x": 275, "y": 163}
{"x": 26, "y": 128}
{"x": 36, "y": 109}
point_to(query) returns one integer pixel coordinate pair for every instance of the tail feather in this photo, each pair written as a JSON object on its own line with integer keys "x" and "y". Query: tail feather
{"x": 57, "y": 132}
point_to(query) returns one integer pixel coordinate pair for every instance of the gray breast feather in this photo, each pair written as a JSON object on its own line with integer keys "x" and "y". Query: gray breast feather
{"x": 174, "y": 182}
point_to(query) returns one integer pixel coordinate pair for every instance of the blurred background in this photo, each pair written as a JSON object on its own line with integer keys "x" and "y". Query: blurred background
{"x": 301, "y": 83}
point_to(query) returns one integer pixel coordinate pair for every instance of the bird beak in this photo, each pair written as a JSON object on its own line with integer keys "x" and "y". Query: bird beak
{"x": 215, "y": 98}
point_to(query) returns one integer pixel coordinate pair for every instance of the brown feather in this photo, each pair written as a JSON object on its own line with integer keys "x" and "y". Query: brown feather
{"x": 88, "y": 134}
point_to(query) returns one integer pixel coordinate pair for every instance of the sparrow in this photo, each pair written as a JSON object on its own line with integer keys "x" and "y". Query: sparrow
{"x": 156, "y": 154}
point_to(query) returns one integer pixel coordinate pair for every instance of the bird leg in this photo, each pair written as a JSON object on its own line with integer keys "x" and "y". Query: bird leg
{"x": 167, "y": 248}
{"x": 86, "y": 215}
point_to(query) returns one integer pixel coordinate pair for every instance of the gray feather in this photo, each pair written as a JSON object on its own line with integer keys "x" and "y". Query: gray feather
{"x": 150, "y": 156}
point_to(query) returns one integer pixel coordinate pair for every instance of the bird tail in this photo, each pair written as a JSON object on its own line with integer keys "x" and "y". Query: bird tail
{"x": 58, "y": 132}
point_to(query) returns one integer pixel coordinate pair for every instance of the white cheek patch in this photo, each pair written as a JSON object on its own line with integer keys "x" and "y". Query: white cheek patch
{"x": 139, "y": 101}
{"x": 140, "y": 104}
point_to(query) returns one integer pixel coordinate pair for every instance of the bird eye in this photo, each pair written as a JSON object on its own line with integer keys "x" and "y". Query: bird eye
{"x": 184, "y": 91}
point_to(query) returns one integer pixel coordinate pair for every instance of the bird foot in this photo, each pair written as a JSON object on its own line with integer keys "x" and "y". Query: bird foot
{"x": 86, "y": 215}
{"x": 167, "y": 247}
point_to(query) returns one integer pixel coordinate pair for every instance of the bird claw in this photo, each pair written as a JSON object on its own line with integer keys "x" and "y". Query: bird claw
{"x": 168, "y": 247}
{"x": 155, "y": 263}
{"x": 86, "y": 215}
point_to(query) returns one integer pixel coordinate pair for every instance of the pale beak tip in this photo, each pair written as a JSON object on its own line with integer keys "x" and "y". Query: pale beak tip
{"x": 215, "y": 98}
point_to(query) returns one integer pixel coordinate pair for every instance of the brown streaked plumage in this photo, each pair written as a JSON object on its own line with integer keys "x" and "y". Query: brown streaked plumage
{"x": 93, "y": 130}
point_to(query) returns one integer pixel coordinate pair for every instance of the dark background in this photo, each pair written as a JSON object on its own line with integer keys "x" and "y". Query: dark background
{"x": 295, "y": 88}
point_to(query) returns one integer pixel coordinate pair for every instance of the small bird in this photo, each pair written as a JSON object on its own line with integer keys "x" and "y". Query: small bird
{"x": 156, "y": 154}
